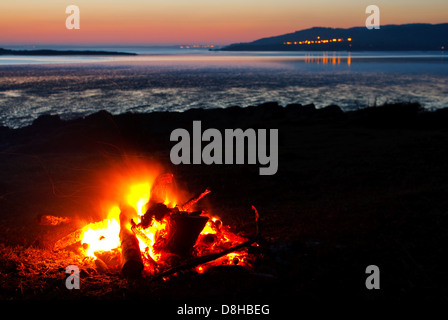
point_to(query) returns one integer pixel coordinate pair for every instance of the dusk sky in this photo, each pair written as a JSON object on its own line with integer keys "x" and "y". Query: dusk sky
{"x": 146, "y": 22}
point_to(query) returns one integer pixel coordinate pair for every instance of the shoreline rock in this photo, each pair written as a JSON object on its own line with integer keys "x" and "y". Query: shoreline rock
{"x": 268, "y": 111}
{"x": 153, "y": 129}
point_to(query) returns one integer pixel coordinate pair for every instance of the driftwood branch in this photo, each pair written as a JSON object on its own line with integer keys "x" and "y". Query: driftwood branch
{"x": 193, "y": 201}
{"x": 140, "y": 234}
{"x": 211, "y": 257}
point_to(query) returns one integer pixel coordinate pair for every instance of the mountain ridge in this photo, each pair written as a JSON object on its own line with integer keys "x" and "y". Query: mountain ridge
{"x": 412, "y": 36}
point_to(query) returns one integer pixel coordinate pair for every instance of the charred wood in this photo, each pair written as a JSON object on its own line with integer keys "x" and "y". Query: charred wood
{"x": 211, "y": 257}
{"x": 183, "y": 231}
{"x": 157, "y": 211}
{"x": 193, "y": 201}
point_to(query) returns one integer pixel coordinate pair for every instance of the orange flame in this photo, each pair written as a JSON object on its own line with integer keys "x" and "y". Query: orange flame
{"x": 129, "y": 183}
{"x": 103, "y": 235}
{"x": 134, "y": 189}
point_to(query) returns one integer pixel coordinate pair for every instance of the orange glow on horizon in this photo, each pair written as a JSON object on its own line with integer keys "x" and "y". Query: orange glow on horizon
{"x": 195, "y": 21}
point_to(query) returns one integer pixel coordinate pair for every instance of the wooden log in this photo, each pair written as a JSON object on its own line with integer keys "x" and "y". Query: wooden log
{"x": 157, "y": 211}
{"x": 192, "y": 263}
{"x": 131, "y": 257}
{"x": 140, "y": 234}
{"x": 183, "y": 231}
{"x": 68, "y": 240}
{"x": 193, "y": 201}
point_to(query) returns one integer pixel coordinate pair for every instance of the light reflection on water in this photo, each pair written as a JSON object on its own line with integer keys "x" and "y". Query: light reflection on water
{"x": 77, "y": 86}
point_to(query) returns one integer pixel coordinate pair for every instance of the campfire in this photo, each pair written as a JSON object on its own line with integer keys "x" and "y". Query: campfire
{"x": 150, "y": 230}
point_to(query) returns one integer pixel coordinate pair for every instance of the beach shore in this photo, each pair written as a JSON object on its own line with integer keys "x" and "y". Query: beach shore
{"x": 353, "y": 189}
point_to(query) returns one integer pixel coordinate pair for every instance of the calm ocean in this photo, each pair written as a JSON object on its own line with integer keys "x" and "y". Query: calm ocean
{"x": 176, "y": 80}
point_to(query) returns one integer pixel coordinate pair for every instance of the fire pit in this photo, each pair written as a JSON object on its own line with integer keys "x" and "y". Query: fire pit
{"x": 151, "y": 231}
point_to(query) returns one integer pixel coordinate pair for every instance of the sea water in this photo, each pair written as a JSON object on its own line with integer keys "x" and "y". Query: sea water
{"x": 172, "y": 79}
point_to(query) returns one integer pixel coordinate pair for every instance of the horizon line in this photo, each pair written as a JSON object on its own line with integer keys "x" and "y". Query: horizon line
{"x": 186, "y": 43}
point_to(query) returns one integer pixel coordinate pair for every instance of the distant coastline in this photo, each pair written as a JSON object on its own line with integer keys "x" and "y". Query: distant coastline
{"x": 50, "y": 52}
{"x": 406, "y": 37}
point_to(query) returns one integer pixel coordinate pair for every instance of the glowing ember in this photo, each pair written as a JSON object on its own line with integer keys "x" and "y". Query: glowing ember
{"x": 153, "y": 232}
{"x": 103, "y": 235}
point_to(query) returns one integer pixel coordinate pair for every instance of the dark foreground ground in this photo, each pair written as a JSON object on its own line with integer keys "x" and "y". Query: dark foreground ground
{"x": 353, "y": 189}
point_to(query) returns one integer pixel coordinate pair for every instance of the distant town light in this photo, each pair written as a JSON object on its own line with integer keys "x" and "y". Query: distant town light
{"x": 197, "y": 46}
{"x": 319, "y": 41}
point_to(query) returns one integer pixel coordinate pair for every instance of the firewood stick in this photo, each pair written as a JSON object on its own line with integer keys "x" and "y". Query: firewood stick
{"x": 140, "y": 234}
{"x": 131, "y": 258}
{"x": 150, "y": 261}
{"x": 208, "y": 258}
{"x": 193, "y": 200}
{"x": 68, "y": 240}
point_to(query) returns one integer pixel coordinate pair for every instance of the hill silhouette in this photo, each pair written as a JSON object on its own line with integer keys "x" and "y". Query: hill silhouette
{"x": 405, "y": 37}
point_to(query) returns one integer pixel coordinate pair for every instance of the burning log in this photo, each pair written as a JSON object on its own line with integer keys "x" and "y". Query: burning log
{"x": 170, "y": 235}
{"x": 50, "y": 220}
{"x": 193, "y": 201}
{"x": 68, "y": 240}
{"x": 131, "y": 258}
{"x": 183, "y": 231}
{"x": 150, "y": 261}
{"x": 211, "y": 257}
{"x": 156, "y": 210}
{"x": 140, "y": 234}
{"x": 155, "y": 205}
